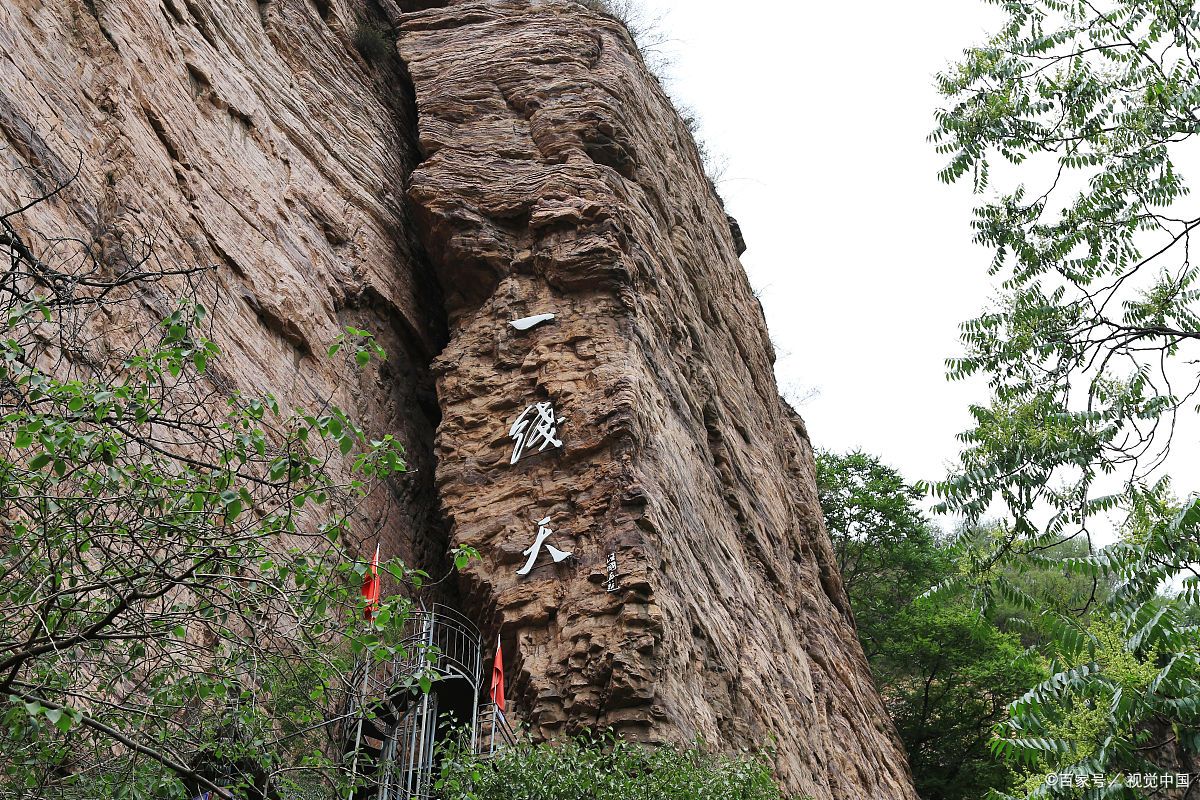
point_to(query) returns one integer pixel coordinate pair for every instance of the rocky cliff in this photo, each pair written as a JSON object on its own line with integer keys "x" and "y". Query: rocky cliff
{"x": 524, "y": 147}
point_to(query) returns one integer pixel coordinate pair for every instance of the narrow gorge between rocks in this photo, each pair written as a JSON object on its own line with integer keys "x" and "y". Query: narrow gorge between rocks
{"x": 496, "y": 160}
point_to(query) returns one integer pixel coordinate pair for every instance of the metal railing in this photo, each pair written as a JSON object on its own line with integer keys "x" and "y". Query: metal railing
{"x": 493, "y": 733}
{"x": 438, "y": 642}
{"x": 447, "y": 642}
{"x": 406, "y": 759}
{"x": 402, "y": 728}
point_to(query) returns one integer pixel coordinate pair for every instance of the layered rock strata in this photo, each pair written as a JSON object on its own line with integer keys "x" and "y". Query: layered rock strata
{"x": 254, "y": 138}
{"x": 557, "y": 178}
{"x": 544, "y": 170}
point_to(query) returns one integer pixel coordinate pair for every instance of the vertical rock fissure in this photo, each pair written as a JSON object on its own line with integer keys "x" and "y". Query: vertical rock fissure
{"x": 431, "y": 540}
{"x": 546, "y": 172}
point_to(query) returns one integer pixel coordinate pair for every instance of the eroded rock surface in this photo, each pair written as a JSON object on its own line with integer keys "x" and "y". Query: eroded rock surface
{"x": 252, "y": 137}
{"x": 552, "y": 175}
{"x": 556, "y": 177}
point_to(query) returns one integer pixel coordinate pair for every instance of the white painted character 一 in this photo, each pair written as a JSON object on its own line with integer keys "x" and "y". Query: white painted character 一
{"x": 543, "y": 533}
{"x": 525, "y": 323}
{"x": 536, "y": 427}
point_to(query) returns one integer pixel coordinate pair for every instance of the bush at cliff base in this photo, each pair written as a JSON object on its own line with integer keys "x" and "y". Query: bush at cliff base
{"x": 604, "y": 768}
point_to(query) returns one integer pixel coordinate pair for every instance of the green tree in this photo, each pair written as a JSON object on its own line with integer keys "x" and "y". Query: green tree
{"x": 179, "y": 609}
{"x": 885, "y": 548}
{"x": 946, "y": 673}
{"x": 1044, "y": 586}
{"x": 1089, "y": 354}
{"x": 950, "y": 676}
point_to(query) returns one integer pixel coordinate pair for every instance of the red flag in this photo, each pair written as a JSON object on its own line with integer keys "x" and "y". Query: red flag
{"x": 370, "y": 587}
{"x": 498, "y": 678}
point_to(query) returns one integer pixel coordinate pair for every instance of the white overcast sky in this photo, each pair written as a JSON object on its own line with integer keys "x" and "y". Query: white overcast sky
{"x": 863, "y": 261}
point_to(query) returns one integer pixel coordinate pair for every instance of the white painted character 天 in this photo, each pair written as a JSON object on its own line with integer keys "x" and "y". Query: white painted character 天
{"x": 543, "y": 534}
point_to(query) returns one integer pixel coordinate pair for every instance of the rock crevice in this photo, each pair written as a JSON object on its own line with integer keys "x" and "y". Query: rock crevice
{"x": 543, "y": 170}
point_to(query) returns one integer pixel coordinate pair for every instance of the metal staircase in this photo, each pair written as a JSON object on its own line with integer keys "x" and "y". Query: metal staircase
{"x": 396, "y": 736}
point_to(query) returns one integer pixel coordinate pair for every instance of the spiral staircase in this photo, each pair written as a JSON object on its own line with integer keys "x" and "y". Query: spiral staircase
{"x": 395, "y": 736}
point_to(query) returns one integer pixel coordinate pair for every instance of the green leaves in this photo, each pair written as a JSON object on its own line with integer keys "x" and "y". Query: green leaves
{"x": 463, "y": 556}
{"x": 233, "y": 504}
{"x": 157, "y": 574}
{"x": 1094, "y": 326}
{"x": 1072, "y": 95}
{"x": 60, "y": 719}
{"x": 604, "y": 767}
{"x": 945, "y": 670}
{"x": 362, "y": 344}
{"x": 63, "y": 719}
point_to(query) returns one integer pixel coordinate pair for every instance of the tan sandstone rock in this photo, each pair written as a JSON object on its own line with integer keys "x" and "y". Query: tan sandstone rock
{"x": 556, "y": 177}
{"x": 252, "y": 137}
{"x": 546, "y": 172}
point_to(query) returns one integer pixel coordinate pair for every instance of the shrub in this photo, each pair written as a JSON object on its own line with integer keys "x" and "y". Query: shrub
{"x": 180, "y": 606}
{"x": 372, "y": 42}
{"x": 605, "y": 768}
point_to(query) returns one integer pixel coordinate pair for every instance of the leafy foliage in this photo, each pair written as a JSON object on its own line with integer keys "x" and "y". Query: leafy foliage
{"x": 1089, "y": 357}
{"x": 181, "y": 609}
{"x": 946, "y": 673}
{"x": 950, "y": 675}
{"x": 1032, "y": 597}
{"x": 885, "y": 548}
{"x": 373, "y": 43}
{"x": 604, "y": 768}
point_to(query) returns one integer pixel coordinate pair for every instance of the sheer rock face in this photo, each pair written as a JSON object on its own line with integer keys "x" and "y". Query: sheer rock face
{"x": 252, "y": 137}
{"x": 556, "y": 177}
{"x": 551, "y": 175}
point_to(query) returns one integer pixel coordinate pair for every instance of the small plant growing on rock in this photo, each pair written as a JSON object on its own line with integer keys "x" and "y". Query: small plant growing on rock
{"x": 372, "y": 42}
